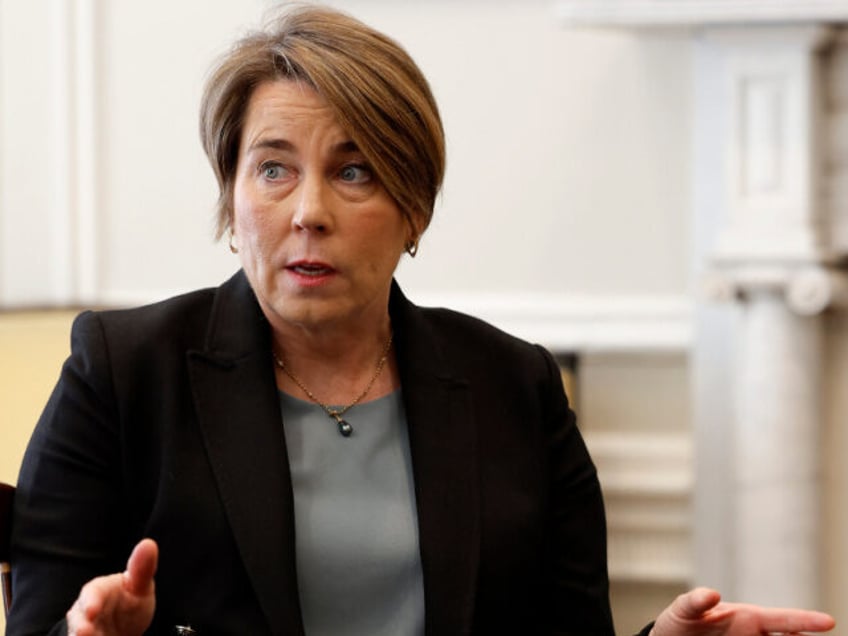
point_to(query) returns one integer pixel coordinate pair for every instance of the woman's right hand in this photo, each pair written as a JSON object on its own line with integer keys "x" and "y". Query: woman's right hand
{"x": 118, "y": 604}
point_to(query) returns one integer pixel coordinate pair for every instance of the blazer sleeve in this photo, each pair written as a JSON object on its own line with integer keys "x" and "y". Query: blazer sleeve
{"x": 68, "y": 512}
{"x": 578, "y": 556}
{"x": 577, "y": 589}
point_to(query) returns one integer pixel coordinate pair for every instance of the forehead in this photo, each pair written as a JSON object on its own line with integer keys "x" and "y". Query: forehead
{"x": 287, "y": 106}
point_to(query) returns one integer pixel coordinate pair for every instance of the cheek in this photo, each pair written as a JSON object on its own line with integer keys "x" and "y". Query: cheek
{"x": 390, "y": 251}
{"x": 241, "y": 209}
{"x": 253, "y": 224}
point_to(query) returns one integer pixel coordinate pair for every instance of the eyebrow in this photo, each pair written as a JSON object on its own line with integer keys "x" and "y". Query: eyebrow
{"x": 344, "y": 147}
{"x": 274, "y": 144}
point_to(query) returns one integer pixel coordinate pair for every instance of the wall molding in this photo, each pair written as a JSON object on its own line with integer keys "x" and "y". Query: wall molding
{"x": 647, "y": 13}
{"x": 61, "y": 212}
{"x": 835, "y": 145}
{"x": 643, "y": 464}
{"x": 589, "y": 323}
{"x": 64, "y": 213}
{"x": 86, "y": 151}
{"x": 647, "y": 480}
{"x": 563, "y": 323}
{"x": 4, "y": 266}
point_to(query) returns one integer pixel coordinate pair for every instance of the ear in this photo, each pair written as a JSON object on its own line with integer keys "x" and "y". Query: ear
{"x": 413, "y": 234}
{"x": 414, "y": 227}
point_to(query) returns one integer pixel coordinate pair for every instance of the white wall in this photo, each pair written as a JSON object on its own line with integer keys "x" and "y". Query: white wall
{"x": 545, "y": 165}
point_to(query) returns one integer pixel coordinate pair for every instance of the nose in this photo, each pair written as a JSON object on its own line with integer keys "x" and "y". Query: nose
{"x": 312, "y": 205}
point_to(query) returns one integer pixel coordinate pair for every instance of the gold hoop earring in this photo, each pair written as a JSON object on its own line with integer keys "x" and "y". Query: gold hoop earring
{"x": 233, "y": 248}
{"x": 412, "y": 247}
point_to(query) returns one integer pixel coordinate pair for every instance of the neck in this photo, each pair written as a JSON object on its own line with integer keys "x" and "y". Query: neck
{"x": 336, "y": 365}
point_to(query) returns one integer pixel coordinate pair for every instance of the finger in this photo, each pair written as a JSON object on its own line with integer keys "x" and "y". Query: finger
{"x": 83, "y": 630}
{"x": 141, "y": 567}
{"x": 75, "y": 618}
{"x": 695, "y": 603}
{"x": 91, "y": 599}
{"x": 791, "y": 620}
{"x": 89, "y": 604}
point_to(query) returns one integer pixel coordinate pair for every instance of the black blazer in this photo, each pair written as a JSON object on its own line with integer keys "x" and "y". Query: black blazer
{"x": 166, "y": 423}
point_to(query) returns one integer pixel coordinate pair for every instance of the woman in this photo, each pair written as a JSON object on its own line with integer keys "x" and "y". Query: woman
{"x": 308, "y": 451}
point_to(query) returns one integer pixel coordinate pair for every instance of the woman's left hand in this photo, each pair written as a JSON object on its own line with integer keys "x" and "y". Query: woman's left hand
{"x": 700, "y": 612}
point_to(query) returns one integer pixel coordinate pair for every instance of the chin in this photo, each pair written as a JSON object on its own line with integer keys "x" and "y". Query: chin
{"x": 309, "y": 314}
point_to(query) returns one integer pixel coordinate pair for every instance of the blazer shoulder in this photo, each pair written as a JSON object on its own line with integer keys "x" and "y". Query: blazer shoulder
{"x": 180, "y": 321}
{"x": 471, "y": 342}
{"x": 162, "y": 314}
{"x": 466, "y": 330}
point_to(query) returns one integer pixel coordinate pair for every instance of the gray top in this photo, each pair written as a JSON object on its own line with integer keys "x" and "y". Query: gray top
{"x": 356, "y": 527}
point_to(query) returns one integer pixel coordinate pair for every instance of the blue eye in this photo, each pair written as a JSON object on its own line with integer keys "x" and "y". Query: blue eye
{"x": 272, "y": 171}
{"x": 355, "y": 174}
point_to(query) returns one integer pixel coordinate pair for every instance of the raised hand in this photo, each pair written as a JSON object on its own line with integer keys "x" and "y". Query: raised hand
{"x": 118, "y": 604}
{"x": 700, "y": 612}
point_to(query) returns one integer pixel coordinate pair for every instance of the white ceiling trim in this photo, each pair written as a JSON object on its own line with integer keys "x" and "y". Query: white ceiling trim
{"x": 698, "y": 12}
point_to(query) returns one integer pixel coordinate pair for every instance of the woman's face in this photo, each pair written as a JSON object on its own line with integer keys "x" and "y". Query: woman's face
{"x": 318, "y": 236}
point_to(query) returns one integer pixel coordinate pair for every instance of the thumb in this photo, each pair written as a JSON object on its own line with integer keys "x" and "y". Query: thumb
{"x": 695, "y": 603}
{"x": 141, "y": 566}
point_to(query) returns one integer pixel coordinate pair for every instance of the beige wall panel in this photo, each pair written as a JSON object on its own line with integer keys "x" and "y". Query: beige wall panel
{"x": 33, "y": 346}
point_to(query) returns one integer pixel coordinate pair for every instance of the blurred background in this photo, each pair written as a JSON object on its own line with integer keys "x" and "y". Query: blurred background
{"x": 656, "y": 191}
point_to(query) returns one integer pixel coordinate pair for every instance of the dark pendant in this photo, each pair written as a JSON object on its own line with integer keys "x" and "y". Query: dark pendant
{"x": 344, "y": 428}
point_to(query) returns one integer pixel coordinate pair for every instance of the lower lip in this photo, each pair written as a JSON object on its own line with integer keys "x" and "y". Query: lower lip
{"x": 311, "y": 280}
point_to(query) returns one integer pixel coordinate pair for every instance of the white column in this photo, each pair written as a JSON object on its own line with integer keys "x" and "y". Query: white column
{"x": 776, "y": 451}
{"x": 778, "y": 116}
{"x": 777, "y": 473}
{"x": 776, "y": 256}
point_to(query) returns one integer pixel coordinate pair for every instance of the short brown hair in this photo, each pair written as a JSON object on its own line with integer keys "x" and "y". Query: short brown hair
{"x": 375, "y": 89}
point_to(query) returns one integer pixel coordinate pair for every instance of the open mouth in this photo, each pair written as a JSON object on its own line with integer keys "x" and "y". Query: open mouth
{"x": 311, "y": 269}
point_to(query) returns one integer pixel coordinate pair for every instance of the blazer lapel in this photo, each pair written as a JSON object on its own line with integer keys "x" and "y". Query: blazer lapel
{"x": 443, "y": 446}
{"x": 238, "y": 410}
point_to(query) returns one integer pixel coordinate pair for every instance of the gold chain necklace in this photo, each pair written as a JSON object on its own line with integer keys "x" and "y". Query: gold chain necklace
{"x": 344, "y": 427}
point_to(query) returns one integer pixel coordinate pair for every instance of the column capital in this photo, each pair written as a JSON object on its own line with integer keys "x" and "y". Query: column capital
{"x": 808, "y": 289}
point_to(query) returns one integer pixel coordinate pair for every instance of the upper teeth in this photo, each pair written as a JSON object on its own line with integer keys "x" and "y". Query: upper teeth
{"x": 310, "y": 269}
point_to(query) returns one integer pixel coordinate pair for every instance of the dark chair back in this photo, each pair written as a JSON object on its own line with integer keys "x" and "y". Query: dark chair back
{"x": 7, "y": 494}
